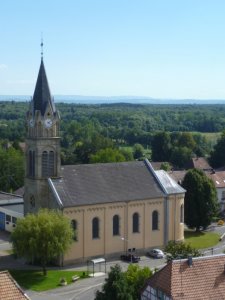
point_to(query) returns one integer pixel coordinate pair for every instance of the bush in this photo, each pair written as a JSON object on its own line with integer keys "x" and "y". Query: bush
{"x": 180, "y": 250}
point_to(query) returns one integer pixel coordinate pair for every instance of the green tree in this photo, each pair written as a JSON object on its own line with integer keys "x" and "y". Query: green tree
{"x": 186, "y": 140}
{"x": 217, "y": 157}
{"x": 180, "y": 156}
{"x": 44, "y": 236}
{"x": 165, "y": 166}
{"x": 127, "y": 153}
{"x": 107, "y": 155}
{"x": 136, "y": 278}
{"x": 161, "y": 146}
{"x": 115, "y": 287}
{"x": 200, "y": 202}
{"x": 138, "y": 151}
{"x": 180, "y": 250}
{"x": 11, "y": 169}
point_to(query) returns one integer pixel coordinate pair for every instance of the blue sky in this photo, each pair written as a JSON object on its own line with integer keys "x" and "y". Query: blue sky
{"x": 160, "y": 48}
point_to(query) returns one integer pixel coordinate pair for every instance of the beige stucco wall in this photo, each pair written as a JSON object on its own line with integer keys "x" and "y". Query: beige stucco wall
{"x": 108, "y": 245}
{"x": 176, "y": 228}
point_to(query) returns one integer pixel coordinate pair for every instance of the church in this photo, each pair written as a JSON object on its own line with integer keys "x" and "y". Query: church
{"x": 112, "y": 207}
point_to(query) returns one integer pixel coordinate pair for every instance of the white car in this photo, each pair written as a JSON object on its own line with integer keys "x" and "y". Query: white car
{"x": 156, "y": 253}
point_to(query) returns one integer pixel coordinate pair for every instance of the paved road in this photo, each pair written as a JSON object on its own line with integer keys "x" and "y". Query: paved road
{"x": 85, "y": 289}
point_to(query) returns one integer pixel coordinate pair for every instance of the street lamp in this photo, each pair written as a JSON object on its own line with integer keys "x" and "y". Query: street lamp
{"x": 126, "y": 240}
{"x": 129, "y": 250}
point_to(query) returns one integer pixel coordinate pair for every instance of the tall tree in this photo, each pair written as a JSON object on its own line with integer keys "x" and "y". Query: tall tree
{"x": 161, "y": 146}
{"x": 180, "y": 156}
{"x": 200, "y": 202}
{"x": 138, "y": 151}
{"x": 217, "y": 157}
{"x": 44, "y": 236}
{"x": 11, "y": 168}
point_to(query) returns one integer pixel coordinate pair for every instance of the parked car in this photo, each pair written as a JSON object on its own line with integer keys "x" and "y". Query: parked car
{"x": 156, "y": 253}
{"x": 130, "y": 258}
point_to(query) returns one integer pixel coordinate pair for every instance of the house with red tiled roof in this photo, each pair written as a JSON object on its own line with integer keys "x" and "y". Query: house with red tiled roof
{"x": 9, "y": 288}
{"x": 188, "y": 279}
{"x": 218, "y": 177}
{"x": 199, "y": 163}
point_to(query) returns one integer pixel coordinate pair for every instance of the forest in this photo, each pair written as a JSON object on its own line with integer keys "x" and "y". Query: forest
{"x": 123, "y": 132}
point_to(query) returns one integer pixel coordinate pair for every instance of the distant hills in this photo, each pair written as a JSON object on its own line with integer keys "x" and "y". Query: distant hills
{"x": 114, "y": 99}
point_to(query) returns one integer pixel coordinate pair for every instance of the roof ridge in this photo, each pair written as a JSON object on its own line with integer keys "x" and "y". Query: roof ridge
{"x": 150, "y": 168}
{"x": 11, "y": 194}
{"x": 176, "y": 261}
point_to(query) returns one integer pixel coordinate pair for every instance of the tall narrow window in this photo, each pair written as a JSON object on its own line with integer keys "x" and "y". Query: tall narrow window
{"x": 51, "y": 163}
{"x": 95, "y": 228}
{"x": 182, "y": 213}
{"x": 116, "y": 225}
{"x": 135, "y": 222}
{"x": 48, "y": 163}
{"x": 44, "y": 164}
{"x": 155, "y": 220}
{"x": 31, "y": 163}
{"x": 74, "y": 227}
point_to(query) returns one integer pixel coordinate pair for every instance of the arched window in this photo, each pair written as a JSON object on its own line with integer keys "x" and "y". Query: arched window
{"x": 31, "y": 163}
{"x": 116, "y": 225}
{"x": 135, "y": 222}
{"x": 182, "y": 213}
{"x": 48, "y": 163}
{"x": 95, "y": 228}
{"x": 155, "y": 220}
{"x": 74, "y": 227}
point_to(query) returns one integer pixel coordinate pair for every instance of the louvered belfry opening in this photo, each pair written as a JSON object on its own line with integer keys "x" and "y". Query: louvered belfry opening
{"x": 48, "y": 164}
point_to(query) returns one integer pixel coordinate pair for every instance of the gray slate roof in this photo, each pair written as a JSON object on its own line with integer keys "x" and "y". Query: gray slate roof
{"x": 169, "y": 184}
{"x": 7, "y": 197}
{"x": 42, "y": 95}
{"x": 106, "y": 183}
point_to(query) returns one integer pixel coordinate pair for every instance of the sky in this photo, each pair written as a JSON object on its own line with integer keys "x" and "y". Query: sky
{"x": 154, "y": 48}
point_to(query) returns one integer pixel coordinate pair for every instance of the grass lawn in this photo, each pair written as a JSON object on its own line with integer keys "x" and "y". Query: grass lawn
{"x": 201, "y": 240}
{"x": 34, "y": 280}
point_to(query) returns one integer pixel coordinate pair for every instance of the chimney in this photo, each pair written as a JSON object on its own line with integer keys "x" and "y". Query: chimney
{"x": 190, "y": 261}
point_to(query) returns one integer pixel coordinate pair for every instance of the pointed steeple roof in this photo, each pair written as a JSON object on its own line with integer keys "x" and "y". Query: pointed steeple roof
{"x": 42, "y": 96}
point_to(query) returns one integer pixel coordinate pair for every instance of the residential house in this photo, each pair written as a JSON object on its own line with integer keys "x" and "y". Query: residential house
{"x": 199, "y": 278}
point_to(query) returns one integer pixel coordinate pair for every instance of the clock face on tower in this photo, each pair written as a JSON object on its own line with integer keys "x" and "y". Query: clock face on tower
{"x": 31, "y": 122}
{"x": 48, "y": 123}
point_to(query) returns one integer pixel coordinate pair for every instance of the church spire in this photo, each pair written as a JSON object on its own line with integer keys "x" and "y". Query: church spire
{"x": 42, "y": 96}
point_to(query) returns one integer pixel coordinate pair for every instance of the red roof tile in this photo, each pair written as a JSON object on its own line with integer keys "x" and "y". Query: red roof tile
{"x": 218, "y": 177}
{"x": 205, "y": 279}
{"x": 9, "y": 289}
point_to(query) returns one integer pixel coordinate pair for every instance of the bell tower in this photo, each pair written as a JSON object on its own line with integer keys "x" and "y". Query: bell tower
{"x": 42, "y": 146}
